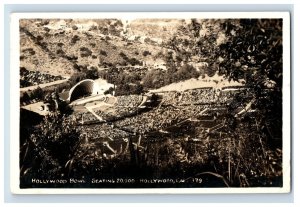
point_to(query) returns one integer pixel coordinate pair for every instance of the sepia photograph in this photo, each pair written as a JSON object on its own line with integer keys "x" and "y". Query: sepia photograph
{"x": 152, "y": 101}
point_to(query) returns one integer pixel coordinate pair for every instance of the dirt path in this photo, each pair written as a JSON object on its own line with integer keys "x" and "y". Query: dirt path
{"x": 44, "y": 85}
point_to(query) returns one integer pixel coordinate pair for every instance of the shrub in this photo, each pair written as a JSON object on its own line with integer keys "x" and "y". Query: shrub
{"x": 60, "y": 44}
{"x": 76, "y": 77}
{"x": 60, "y": 52}
{"x": 102, "y": 52}
{"x": 146, "y": 53}
{"x": 85, "y": 52}
{"x": 122, "y": 54}
{"x": 134, "y": 61}
{"x": 71, "y": 57}
{"x": 49, "y": 154}
{"x": 29, "y": 51}
{"x": 39, "y": 38}
{"x": 92, "y": 73}
{"x": 74, "y": 39}
{"x": 46, "y": 29}
{"x": 74, "y": 27}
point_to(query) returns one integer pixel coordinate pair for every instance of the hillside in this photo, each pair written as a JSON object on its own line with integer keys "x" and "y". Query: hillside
{"x": 162, "y": 29}
{"x": 35, "y": 58}
{"x": 65, "y": 46}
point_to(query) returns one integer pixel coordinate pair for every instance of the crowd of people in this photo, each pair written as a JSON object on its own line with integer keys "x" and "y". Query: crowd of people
{"x": 124, "y": 106}
{"x": 129, "y": 101}
{"x": 30, "y": 78}
{"x": 160, "y": 118}
{"x": 200, "y": 96}
{"x": 203, "y": 107}
{"x": 104, "y": 115}
{"x": 84, "y": 117}
{"x": 197, "y": 96}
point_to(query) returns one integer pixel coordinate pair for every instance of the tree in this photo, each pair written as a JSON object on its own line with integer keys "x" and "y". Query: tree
{"x": 154, "y": 79}
{"x": 146, "y": 53}
{"x": 253, "y": 51}
{"x": 24, "y": 98}
{"x": 51, "y": 144}
{"x": 139, "y": 89}
{"x": 102, "y": 52}
{"x": 249, "y": 51}
{"x": 197, "y": 41}
{"x": 85, "y": 52}
{"x": 92, "y": 73}
{"x": 37, "y": 93}
{"x": 76, "y": 77}
{"x": 186, "y": 72}
{"x": 74, "y": 39}
{"x": 74, "y": 27}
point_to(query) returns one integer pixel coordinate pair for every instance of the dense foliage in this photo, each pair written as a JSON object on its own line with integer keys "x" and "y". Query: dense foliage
{"x": 46, "y": 151}
{"x": 253, "y": 51}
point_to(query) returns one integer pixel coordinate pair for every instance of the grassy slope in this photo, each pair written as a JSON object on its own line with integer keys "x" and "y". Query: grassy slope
{"x": 92, "y": 40}
{"x": 41, "y": 61}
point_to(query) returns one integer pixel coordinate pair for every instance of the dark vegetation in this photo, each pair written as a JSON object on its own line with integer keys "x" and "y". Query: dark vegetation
{"x": 159, "y": 78}
{"x": 30, "y": 78}
{"x": 50, "y": 147}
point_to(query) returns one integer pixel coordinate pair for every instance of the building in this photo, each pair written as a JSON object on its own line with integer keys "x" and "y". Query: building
{"x": 87, "y": 87}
